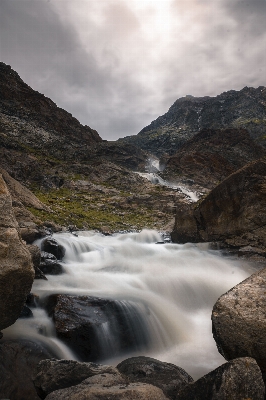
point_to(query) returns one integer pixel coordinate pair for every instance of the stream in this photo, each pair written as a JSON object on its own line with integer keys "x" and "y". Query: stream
{"x": 171, "y": 289}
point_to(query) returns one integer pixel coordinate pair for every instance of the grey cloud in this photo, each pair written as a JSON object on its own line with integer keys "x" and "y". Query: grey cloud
{"x": 98, "y": 80}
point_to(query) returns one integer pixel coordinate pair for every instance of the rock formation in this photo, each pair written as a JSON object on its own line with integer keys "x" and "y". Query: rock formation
{"x": 238, "y": 379}
{"x": 167, "y": 377}
{"x": 80, "y": 323}
{"x": 233, "y": 212}
{"x": 16, "y": 270}
{"x": 59, "y": 374}
{"x": 239, "y": 321}
{"x": 18, "y": 367}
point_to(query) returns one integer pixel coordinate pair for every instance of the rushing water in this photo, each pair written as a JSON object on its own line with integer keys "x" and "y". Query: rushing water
{"x": 170, "y": 289}
{"x": 157, "y": 180}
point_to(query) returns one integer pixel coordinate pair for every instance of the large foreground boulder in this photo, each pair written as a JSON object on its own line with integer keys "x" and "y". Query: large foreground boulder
{"x": 16, "y": 270}
{"x": 18, "y": 366}
{"x": 233, "y": 212}
{"x": 237, "y": 380}
{"x": 60, "y": 374}
{"x": 95, "y": 328}
{"x": 239, "y": 320}
{"x": 108, "y": 387}
{"x": 167, "y": 377}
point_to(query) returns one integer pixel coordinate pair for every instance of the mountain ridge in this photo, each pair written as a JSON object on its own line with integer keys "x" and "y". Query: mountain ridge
{"x": 188, "y": 115}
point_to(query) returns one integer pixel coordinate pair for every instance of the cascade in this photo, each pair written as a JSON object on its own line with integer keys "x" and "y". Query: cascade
{"x": 163, "y": 291}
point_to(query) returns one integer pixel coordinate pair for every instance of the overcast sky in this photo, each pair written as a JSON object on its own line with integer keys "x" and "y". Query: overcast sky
{"x": 116, "y": 65}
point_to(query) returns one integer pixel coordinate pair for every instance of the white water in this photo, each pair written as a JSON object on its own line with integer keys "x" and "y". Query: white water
{"x": 157, "y": 180}
{"x": 173, "y": 288}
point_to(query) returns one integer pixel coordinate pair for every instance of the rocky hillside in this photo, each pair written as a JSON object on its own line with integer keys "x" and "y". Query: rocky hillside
{"x": 212, "y": 155}
{"x": 78, "y": 178}
{"x": 188, "y": 115}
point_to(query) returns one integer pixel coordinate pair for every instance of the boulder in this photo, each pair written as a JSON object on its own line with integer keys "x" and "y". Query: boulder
{"x": 16, "y": 270}
{"x": 238, "y": 380}
{"x": 167, "y": 377}
{"x": 95, "y": 328}
{"x": 59, "y": 374}
{"x": 233, "y": 212}
{"x": 36, "y": 260}
{"x": 106, "y": 387}
{"x": 239, "y": 323}
{"x": 49, "y": 264}
{"x": 18, "y": 366}
{"x": 50, "y": 245}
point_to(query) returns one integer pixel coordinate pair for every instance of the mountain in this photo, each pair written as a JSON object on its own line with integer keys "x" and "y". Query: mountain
{"x": 60, "y": 172}
{"x": 189, "y": 115}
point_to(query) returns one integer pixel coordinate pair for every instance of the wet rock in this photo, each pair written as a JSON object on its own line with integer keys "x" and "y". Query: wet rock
{"x": 94, "y": 327}
{"x": 18, "y": 366}
{"x": 51, "y": 267}
{"x": 238, "y": 379}
{"x": 109, "y": 388}
{"x": 26, "y": 313}
{"x": 32, "y": 300}
{"x": 17, "y": 273}
{"x": 49, "y": 264}
{"x": 59, "y": 374}
{"x": 233, "y": 212}
{"x": 50, "y": 245}
{"x": 167, "y": 377}
{"x": 239, "y": 323}
{"x": 36, "y": 259}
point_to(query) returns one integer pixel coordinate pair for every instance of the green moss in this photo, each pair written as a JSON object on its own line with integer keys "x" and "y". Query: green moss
{"x": 92, "y": 211}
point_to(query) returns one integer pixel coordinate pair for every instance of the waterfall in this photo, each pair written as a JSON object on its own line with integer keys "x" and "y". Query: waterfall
{"x": 165, "y": 293}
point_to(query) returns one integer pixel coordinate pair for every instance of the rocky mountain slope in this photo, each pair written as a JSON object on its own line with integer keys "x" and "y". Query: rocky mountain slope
{"x": 189, "y": 115}
{"x": 212, "y": 155}
{"x": 78, "y": 178}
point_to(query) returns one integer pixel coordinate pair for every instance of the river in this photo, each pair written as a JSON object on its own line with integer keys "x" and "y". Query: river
{"x": 172, "y": 286}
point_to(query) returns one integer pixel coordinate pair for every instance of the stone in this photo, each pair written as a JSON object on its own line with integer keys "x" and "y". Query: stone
{"x": 30, "y": 234}
{"x": 233, "y": 212}
{"x": 50, "y": 245}
{"x": 107, "y": 390}
{"x": 55, "y": 374}
{"x": 18, "y": 366}
{"x": 16, "y": 270}
{"x": 95, "y": 327}
{"x": 26, "y": 313}
{"x": 167, "y": 377}
{"x": 239, "y": 320}
{"x": 51, "y": 267}
{"x": 238, "y": 379}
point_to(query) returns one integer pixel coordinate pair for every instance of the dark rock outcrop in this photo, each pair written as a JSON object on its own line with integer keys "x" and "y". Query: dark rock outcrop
{"x": 167, "y": 377}
{"x": 212, "y": 155}
{"x": 18, "y": 366}
{"x": 233, "y": 212}
{"x": 239, "y": 323}
{"x": 16, "y": 270}
{"x": 59, "y": 374}
{"x": 49, "y": 264}
{"x": 50, "y": 245}
{"x": 238, "y": 379}
{"x": 189, "y": 115}
{"x": 81, "y": 321}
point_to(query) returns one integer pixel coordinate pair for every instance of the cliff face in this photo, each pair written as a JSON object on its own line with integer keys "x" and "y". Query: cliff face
{"x": 188, "y": 115}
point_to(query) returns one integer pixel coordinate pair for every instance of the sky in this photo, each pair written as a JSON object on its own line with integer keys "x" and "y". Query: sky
{"x": 116, "y": 65}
